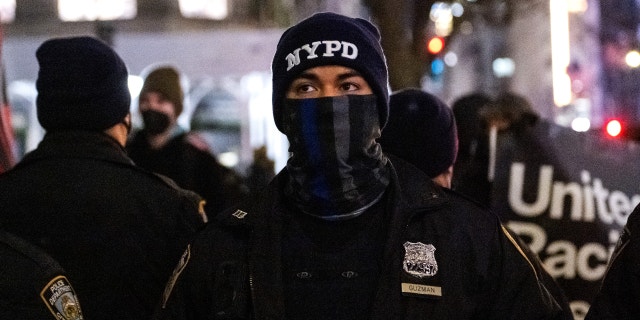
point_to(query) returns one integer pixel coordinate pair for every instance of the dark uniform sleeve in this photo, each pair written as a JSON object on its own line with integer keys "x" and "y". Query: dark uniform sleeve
{"x": 33, "y": 286}
{"x": 547, "y": 280}
{"x": 173, "y": 303}
{"x": 619, "y": 295}
{"x": 524, "y": 290}
{"x": 210, "y": 280}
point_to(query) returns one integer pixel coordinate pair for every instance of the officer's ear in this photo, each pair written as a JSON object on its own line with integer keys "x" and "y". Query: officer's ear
{"x": 120, "y": 131}
{"x": 127, "y": 122}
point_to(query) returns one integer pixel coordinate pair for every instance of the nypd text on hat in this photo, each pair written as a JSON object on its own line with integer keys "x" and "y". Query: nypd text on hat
{"x": 326, "y": 48}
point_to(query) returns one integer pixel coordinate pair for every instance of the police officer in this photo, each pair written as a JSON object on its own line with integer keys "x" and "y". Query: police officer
{"x": 422, "y": 130}
{"x": 115, "y": 228}
{"x": 345, "y": 231}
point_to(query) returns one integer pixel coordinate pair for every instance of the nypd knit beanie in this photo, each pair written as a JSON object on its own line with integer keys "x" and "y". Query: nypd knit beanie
{"x": 421, "y": 130}
{"x": 166, "y": 81}
{"x": 330, "y": 39}
{"x": 82, "y": 84}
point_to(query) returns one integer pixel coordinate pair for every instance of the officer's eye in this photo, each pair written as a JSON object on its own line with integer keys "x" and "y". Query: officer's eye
{"x": 305, "y": 88}
{"x": 349, "y": 86}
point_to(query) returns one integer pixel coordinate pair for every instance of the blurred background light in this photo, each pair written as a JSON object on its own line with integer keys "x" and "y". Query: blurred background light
{"x": 135, "y": 85}
{"x": 633, "y": 59}
{"x": 442, "y": 16}
{"x": 437, "y": 67}
{"x": 451, "y": 59}
{"x": 208, "y": 9}
{"x": 503, "y": 67}
{"x": 559, "y": 17}
{"x": 7, "y": 11}
{"x": 91, "y": 10}
{"x": 581, "y": 124}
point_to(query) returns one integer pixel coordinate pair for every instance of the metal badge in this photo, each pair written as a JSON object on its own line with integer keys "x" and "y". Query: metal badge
{"x": 419, "y": 259}
{"x": 239, "y": 214}
{"x": 61, "y": 299}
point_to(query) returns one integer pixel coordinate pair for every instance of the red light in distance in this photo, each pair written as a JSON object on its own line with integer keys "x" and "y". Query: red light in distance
{"x": 435, "y": 45}
{"x": 614, "y": 128}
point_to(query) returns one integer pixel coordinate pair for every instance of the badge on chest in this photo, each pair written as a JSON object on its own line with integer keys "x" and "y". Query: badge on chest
{"x": 420, "y": 271}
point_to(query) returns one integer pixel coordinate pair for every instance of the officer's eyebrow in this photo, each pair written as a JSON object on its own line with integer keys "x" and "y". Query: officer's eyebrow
{"x": 349, "y": 74}
{"x": 308, "y": 75}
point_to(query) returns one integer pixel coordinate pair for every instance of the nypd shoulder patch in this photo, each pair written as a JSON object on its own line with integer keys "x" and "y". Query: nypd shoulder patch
{"x": 61, "y": 299}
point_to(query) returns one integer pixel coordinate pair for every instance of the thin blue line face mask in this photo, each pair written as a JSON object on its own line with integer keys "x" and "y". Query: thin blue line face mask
{"x": 337, "y": 168}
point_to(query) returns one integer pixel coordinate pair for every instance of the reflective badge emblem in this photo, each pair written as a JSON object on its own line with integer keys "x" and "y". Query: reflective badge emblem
{"x": 419, "y": 259}
{"x": 186, "y": 255}
{"x": 61, "y": 300}
{"x": 239, "y": 214}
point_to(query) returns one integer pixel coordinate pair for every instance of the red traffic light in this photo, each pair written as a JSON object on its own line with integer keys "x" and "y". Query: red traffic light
{"x": 613, "y": 128}
{"x": 435, "y": 45}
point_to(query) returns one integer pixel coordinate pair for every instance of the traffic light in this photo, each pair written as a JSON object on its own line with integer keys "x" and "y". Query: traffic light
{"x": 435, "y": 45}
{"x": 435, "y": 49}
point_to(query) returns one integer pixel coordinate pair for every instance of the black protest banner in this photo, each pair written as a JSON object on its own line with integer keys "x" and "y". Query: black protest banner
{"x": 568, "y": 195}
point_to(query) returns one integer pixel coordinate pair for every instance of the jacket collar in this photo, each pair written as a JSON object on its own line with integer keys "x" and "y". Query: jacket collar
{"x": 78, "y": 144}
{"x": 412, "y": 188}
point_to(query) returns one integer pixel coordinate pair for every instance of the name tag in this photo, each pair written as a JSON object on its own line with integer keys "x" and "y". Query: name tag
{"x": 421, "y": 289}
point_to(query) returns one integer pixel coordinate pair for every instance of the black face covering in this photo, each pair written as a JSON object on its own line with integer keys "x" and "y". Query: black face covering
{"x": 155, "y": 122}
{"x": 337, "y": 168}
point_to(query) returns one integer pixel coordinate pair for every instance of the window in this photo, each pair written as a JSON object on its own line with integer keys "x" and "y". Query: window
{"x": 207, "y": 9}
{"x": 7, "y": 10}
{"x": 90, "y": 10}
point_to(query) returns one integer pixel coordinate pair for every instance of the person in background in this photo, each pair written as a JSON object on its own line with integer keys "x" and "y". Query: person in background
{"x": 620, "y": 289}
{"x": 422, "y": 130}
{"x": 115, "y": 228}
{"x": 470, "y": 168}
{"x": 261, "y": 170}
{"x": 33, "y": 286}
{"x": 509, "y": 112}
{"x": 506, "y": 117}
{"x": 345, "y": 231}
{"x": 162, "y": 146}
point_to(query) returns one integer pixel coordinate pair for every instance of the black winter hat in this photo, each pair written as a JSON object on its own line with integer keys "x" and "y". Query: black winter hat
{"x": 82, "y": 84}
{"x": 330, "y": 39}
{"x": 165, "y": 80}
{"x": 421, "y": 130}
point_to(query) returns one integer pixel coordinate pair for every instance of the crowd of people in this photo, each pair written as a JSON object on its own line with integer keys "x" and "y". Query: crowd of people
{"x": 364, "y": 222}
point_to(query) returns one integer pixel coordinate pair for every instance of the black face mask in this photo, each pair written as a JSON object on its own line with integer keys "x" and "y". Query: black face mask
{"x": 337, "y": 168}
{"x": 155, "y": 122}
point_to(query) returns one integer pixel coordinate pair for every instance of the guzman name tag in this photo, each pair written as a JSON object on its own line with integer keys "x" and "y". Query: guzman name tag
{"x": 421, "y": 289}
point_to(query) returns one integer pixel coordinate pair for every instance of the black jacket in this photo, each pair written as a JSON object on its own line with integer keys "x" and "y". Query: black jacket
{"x": 116, "y": 229}
{"x": 191, "y": 168}
{"x": 619, "y": 295}
{"x": 233, "y": 268}
{"x": 33, "y": 286}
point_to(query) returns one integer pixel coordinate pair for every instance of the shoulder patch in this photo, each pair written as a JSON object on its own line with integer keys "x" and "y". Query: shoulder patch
{"x": 61, "y": 299}
{"x": 175, "y": 275}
